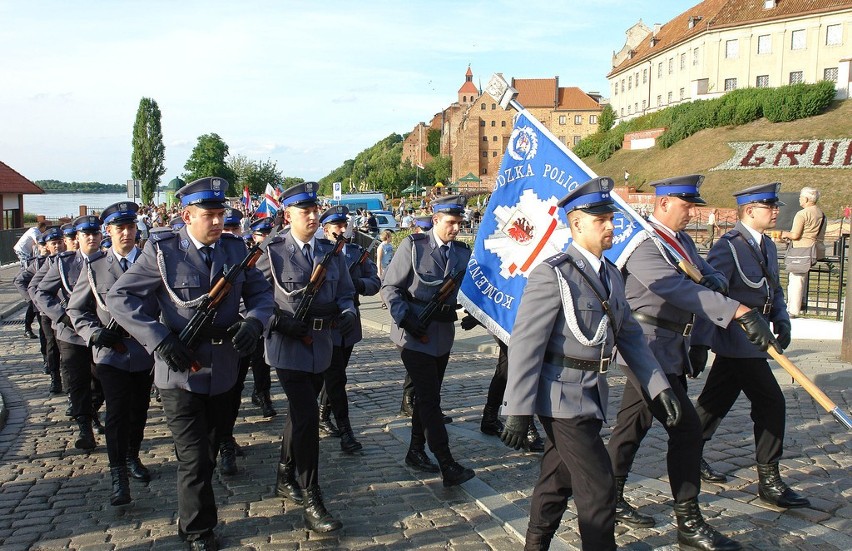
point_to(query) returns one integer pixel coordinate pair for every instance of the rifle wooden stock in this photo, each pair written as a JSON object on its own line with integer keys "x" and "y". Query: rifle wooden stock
{"x": 451, "y": 282}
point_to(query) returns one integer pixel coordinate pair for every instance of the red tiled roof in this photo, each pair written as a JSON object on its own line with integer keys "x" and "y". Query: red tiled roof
{"x": 12, "y": 182}
{"x": 574, "y": 98}
{"x": 749, "y": 11}
{"x": 535, "y": 92}
{"x": 469, "y": 88}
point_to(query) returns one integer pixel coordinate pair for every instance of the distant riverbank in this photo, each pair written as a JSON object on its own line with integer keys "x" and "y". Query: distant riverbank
{"x": 58, "y": 205}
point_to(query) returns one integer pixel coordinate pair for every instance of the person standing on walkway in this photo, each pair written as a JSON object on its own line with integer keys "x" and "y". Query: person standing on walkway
{"x": 178, "y": 269}
{"x": 416, "y": 272}
{"x": 749, "y": 261}
{"x": 365, "y": 278}
{"x": 125, "y": 376}
{"x": 300, "y": 349}
{"x": 809, "y": 225}
{"x": 571, "y": 316}
{"x": 27, "y": 245}
{"x": 665, "y": 302}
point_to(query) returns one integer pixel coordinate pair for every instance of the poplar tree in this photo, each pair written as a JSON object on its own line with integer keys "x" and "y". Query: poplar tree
{"x": 149, "y": 153}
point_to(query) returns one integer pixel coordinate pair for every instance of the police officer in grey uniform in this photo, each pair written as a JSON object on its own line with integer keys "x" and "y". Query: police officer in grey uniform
{"x": 300, "y": 350}
{"x": 21, "y": 282}
{"x": 416, "y": 272}
{"x": 260, "y": 370}
{"x": 664, "y": 301}
{"x": 122, "y": 365}
{"x": 570, "y": 318}
{"x": 51, "y": 296}
{"x": 749, "y": 261}
{"x": 178, "y": 270}
{"x": 365, "y": 278}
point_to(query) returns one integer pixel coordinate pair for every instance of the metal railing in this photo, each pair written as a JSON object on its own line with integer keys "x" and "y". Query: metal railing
{"x": 824, "y": 293}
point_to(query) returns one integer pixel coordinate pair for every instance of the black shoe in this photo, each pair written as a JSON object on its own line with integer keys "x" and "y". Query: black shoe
{"x": 454, "y": 474}
{"x": 69, "y": 410}
{"x": 418, "y": 460}
{"x": 534, "y": 442}
{"x": 238, "y": 450}
{"x": 46, "y": 368}
{"x": 55, "y": 382}
{"x": 407, "y": 406}
{"x": 446, "y": 418}
{"x": 86, "y": 438}
{"x": 326, "y": 426}
{"x": 255, "y": 398}
{"x": 490, "y": 424}
{"x": 348, "y": 443}
{"x": 537, "y": 542}
{"x": 773, "y": 490}
{"x": 624, "y": 512}
{"x": 265, "y": 403}
{"x": 694, "y": 532}
{"x": 96, "y": 423}
{"x": 709, "y": 474}
{"x": 227, "y": 459}
{"x": 206, "y": 542}
{"x": 120, "y": 486}
{"x": 286, "y": 485}
{"x": 28, "y": 333}
{"x": 317, "y": 517}
{"x": 137, "y": 470}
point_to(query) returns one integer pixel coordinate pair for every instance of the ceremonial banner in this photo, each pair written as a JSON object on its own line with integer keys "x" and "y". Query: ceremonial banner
{"x": 268, "y": 204}
{"x": 247, "y": 200}
{"x": 522, "y": 225}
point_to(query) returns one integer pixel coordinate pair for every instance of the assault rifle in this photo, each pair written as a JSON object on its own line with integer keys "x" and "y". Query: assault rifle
{"x": 202, "y": 321}
{"x": 364, "y": 256}
{"x": 450, "y": 284}
{"x": 315, "y": 283}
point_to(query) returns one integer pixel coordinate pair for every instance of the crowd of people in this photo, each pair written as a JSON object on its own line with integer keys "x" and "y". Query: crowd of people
{"x": 119, "y": 318}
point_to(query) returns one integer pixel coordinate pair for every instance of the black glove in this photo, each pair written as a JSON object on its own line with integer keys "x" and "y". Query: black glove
{"x": 413, "y": 325}
{"x": 346, "y": 322}
{"x": 175, "y": 353}
{"x": 104, "y": 337}
{"x": 697, "y": 360}
{"x": 66, "y": 320}
{"x": 671, "y": 405}
{"x": 758, "y": 330}
{"x": 246, "y": 335}
{"x": 290, "y": 326}
{"x": 784, "y": 331}
{"x": 469, "y": 322}
{"x": 515, "y": 430}
{"x": 360, "y": 288}
{"x": 715, "y": 282}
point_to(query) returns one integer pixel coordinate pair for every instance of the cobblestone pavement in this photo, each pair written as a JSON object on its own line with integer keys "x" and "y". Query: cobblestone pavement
{"x": 53, "y": 496}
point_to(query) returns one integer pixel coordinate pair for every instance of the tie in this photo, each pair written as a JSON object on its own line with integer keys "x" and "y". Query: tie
{"x": 306, "y": 250}
{"x": 763, "y": 250}
{"x": 123, "y": 263}
{"x": 604, "y": 279}
{"x": 207, "y": 252}
{"x": 445, "y": 252}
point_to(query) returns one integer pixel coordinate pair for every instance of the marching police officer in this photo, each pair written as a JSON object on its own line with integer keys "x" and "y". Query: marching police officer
{"x": 178, "y": 269}
{"x": 51, "y": 296}
{"x": 365, "y": 278}
{"x": 122, "y": 365}
{"x": 417, "y": 271}
{"x": 260, "y": 370}
{"x": 749, "y": 261}
{"x": 300, "y": 349}
{"x": 571, "y": 316}
{"x": 665, "y": 302}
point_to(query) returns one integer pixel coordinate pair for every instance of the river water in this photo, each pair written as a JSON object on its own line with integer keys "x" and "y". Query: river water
{"x": 57, "y": 205}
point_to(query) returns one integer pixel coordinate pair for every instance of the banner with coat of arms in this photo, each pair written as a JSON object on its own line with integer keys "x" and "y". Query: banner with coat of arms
{"x": 522, "y": 225}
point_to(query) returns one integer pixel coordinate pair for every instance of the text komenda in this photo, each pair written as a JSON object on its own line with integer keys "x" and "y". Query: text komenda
{"x": 485, "y": 287}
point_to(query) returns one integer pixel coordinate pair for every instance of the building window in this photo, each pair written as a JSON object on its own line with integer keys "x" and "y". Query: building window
{"x": 671, "y": 65}
{"x": 764, "y": 44}
{"x": 622, "y": 85}
{"x": 695, "y": 57}
{"x": 830, "y": 74}
{"x": 484, "y": 138}
{"x": 483, "y": 107}
{"x": 578, "y": 119}
{"x": 659, "y": 100}
{"x": 493, "y": 153}
{"x": 730, "y": 84}
{"x": 577, "y": 139}
{"x": 636, "y": 78}
{"x": 503, "y": 124}
{"x": 644, "y": 105}
{"x": 482, "y": 123}
{"x": 796, "y": 77}
{"x": 682, "y": 93}
{"x": 484, "y": 171}
{"x": 485, "y": 154}
{"x": 683, "y": 61}
{"x": 493, "y": 124}
{"x": 732, "y": 49}
{"x": 562, "y": 119}
{"x": 644, "y": 76}
{"x": 798, "y": 40}
{"x": 629, "y": 82}
{"x": 636, "y": 106}
{"x": 762, "y": 81}
{"x": 593, "y": 119}
{"x": 493, "y": 106}
{"x": 622, "y": 111}
{"x": 494, "y": 138}
{"x": 833, "y": 35}
{"x": 660, "y": 70}
{"x": 629, "y": 110}
{"x": 669, "y": 97}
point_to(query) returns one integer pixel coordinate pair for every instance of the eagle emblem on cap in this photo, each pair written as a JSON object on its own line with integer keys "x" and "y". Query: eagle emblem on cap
{"x": 339, "y": 210}
{"x": 309, "y": 187}
{"x": 122, "y": 206}
{"x": 216, "y": 184}
{"x": 606, "y": 184}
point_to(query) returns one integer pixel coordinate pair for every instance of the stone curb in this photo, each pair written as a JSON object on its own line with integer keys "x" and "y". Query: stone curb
{"x": 5, "y": 313}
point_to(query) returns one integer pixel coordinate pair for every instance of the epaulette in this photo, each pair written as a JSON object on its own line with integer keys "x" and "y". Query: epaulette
{"x": 230, "y": 236}
{"x": 325, "y": 241}
{"x": 730, "y": 234}
{"x": 161, "y": 235}
{"x": 556, "y": 259}
{"x": 66, "y": 254}
{"x": 417, "y": 237}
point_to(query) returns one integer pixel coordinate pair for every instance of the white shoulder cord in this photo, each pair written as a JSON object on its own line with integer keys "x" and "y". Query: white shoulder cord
{"x": 435, "y": 283}
{"x": 754, "y": 285}
{"x": 91, "y": 277}
{"x": 63, "y": 278}
{"x": 161, "y": 264}
{"x": 571, "y": 317}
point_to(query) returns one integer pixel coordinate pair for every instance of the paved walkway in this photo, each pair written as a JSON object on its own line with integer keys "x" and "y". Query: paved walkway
{"x": 53, "y": 496}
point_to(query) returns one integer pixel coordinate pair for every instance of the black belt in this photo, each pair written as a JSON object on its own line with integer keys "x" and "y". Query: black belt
{"x": 443, "y": 308}
{"x": 681, "y": 328}
{"x": 600, "y": 366}
{"x": 216, "y": 335}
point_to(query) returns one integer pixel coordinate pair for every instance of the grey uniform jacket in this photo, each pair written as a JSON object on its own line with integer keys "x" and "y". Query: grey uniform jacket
{"x": 541, "y": 325}
{"x": 417, "y": 271}
{"x": 55, "y": 289}
{"x": 736, "y": 255}
{"x": 368, "y": 274}
{"x": 655, "y": 287}
{"x": 172, "y": 270}
{"x": 288, "y": 270}
{"x": 22, "y": 280}
{"x": 87, "y": 310}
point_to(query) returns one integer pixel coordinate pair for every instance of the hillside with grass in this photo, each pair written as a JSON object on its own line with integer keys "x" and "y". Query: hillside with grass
{"x": 709, "y": 148}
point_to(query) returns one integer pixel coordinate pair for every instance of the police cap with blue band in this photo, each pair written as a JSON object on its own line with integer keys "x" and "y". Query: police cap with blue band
{"x": 88, "y": 224}
{"x": 300, "y": 195}
{"x": 683, "y": 187}
{"x": 106, "y": 242}
{"x": 68, "y": 230}
{"x": 233, "y": 217}
{"x": 177, "y": 222}
{"x": 123, "y": 212}
{"x": 262, "y": 225}
{"x": 451, "y": 204}
{"x": 338, "y": 213}
{"x": 592, "y": 197}
{"x": 206, "y": 193}
{"x": 51, "y": 233}
{"x": 761, "y": 193}
{"x": 423, "y": 222}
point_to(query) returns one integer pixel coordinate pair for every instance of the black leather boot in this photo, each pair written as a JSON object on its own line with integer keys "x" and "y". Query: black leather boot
{"x": 265, "y": 403}
{"x": 693, "y": 531}
{"x": 85, "y": 438}
{"x": 96, "y": 423}
{"x": 287, "y": 486}
{"x": 227, "y": 459}
{"x": 407, "y": 406}
{"x": 255, "y": 397}
{"x": 55, "y": 382}
{"x": 537, "y": 542}
{"x": 773, "y": 490}
{"x": 69, "y": 411}
{"x": 347, "y": 438}
{"x": 326, "y": 426}
{"x": 624, "y": 512}
{"x": 490, "y": 424}
{"x": 417, "y": 459}
{"x": 135, "y": 467}
{"x": 453, "y": 473}
{"x": 710, "y": 474}
{"x": 534, "y": 441}
{"x": 120, "y": 486}
{"x": 317, "y": 517}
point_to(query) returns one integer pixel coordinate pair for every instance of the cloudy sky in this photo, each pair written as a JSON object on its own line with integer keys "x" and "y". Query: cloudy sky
{"x": 305, "y": 84}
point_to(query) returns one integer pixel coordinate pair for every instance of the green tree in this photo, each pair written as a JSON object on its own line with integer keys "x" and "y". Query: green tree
{"x": 208, "y": 159}
{"x": 433, "y": 142}
{"x": 607, "y": 118}
{"x": 254, "y": 174}
{"x": 149, "y": 153}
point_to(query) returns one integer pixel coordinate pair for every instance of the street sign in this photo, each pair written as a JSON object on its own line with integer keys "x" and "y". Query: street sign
{"x": 337, "y": 190}
{"x": 134, "y": 189}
